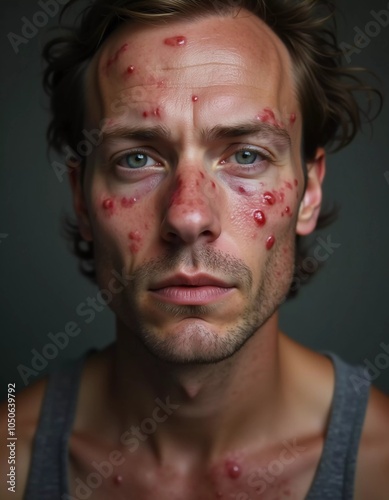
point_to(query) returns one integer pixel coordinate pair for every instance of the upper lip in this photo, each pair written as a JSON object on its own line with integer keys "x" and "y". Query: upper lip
{"x": 191, "y": 280}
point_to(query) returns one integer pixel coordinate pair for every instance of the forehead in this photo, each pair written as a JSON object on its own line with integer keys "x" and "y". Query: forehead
{"x": 230, "y": 61}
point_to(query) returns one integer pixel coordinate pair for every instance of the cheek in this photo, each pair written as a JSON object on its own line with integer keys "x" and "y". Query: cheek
{"x": 122, "y": 222}
{"x": 268, "y": 214}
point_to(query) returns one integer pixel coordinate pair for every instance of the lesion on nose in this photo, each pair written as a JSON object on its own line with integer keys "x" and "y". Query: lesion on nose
{"x": 190, "y": 214}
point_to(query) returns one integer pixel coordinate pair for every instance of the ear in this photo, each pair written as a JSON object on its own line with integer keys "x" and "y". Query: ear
{"x": 79, "y": 202}
{"x": 311, "y": 203}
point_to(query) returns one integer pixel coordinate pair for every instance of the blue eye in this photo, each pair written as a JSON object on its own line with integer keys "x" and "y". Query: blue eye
{"x": 248, "y": 161}
{"x": 135, "y": 160}
{"x": 246, "y": 157}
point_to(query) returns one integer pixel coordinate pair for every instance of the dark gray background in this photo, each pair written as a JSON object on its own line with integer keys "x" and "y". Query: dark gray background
{"x": 345, "y": 309}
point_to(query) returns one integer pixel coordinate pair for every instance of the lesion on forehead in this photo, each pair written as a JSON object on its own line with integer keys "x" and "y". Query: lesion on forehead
{"x": 126, "y": 68}
{"x": 247, "y": 36}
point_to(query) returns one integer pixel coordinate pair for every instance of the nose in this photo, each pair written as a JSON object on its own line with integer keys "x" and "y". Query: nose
{"x": 191, "y": 212}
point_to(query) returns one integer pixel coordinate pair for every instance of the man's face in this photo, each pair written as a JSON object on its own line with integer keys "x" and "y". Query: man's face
{"x": 195, "y": 189}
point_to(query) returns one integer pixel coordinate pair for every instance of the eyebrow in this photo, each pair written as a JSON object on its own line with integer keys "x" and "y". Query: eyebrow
{"x": 278, "y": 136}
{"x": 139, "y": 133}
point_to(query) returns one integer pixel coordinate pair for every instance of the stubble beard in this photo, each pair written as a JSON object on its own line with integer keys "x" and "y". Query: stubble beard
{"x": 197, "y": 341}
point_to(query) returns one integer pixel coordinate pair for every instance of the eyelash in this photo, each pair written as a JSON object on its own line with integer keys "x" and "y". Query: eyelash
{"x": 134, "y": 152}
{"x": 263, "y": 154}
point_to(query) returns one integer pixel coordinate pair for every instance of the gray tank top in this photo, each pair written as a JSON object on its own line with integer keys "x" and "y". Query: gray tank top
{"x": 334, "y": 478}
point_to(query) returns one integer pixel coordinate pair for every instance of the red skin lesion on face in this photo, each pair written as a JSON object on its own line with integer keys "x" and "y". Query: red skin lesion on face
{"x": 296, "y": 182}
{"x": 108, "y": 206}
{"x": 177, "y": 198}
{"x": 292, "y": 118}
{"x": 129, "y": 71}
{"x": 136, "y": 238}
{"x": 287, "y": 211}
{"x": 127, "y": 202}
{"x": 288, "y": 185}
{"x": 259, "y": 217}
{"x": 116, "y": 56}
{"x": 233, "y": 469}
{"x": 175, "y": 41}
{"x": 268, "y": 198}
{"x": 195, "y": 98}
{"x": 118, "y": 480}
{"x": 268, "y": 116}
{"x": 270, "y": 242}
{"x": 156, "y": 112}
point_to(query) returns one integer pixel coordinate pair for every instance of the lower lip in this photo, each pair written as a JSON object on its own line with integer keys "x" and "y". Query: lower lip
{"x": 192, "y": 295}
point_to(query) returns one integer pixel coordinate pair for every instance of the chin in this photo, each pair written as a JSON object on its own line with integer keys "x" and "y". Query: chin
{"x": 194, "y": 341}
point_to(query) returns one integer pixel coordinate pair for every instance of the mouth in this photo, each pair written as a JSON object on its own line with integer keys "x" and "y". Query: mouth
{"x": 197, "y": 289}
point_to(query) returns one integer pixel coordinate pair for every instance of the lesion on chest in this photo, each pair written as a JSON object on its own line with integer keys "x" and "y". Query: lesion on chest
{"x": 104, "y": 472}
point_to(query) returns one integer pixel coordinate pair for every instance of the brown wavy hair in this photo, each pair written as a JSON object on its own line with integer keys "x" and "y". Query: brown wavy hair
{"x": 326, "y": 87}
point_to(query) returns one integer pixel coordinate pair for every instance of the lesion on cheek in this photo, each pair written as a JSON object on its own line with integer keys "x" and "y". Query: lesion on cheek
{"x": 112, "y": 205}
{"x": 108, "y": 204}
{"x": 135, "y": 241}
{"x": 270, "y": 242}
{"x": 268, "y": 208}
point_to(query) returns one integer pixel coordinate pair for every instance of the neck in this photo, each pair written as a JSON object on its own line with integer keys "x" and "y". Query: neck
{"x": 214, "y": 408}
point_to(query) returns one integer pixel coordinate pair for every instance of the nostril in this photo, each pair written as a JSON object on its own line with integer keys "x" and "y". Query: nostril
{"x": 173, "y": 238}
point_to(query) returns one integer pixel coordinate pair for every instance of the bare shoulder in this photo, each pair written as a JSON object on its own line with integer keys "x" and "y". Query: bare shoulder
{"x": 372, "y": 474}
{"x": 27, "y": 410}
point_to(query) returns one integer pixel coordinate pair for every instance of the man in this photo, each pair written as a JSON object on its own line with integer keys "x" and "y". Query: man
{"x": 212, "y": 120}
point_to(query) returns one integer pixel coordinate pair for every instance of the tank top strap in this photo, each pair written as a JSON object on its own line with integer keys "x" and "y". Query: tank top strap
{"x": 48, "y": 476}
{"x": 335, "y": 475}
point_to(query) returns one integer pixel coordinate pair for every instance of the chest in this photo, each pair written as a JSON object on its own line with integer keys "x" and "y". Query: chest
{"x": 104, "y": 473}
